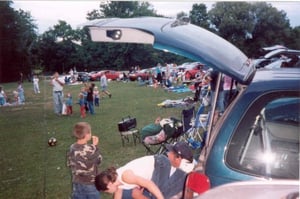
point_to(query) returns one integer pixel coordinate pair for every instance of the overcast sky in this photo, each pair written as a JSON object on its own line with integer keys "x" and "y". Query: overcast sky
{"x": 47, "y": 13}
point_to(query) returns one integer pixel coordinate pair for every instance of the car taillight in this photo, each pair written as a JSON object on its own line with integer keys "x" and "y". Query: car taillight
{"x": 198, "y": 182}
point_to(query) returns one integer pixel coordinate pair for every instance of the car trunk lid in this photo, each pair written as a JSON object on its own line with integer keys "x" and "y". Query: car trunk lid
{"x": 179, "y": 37}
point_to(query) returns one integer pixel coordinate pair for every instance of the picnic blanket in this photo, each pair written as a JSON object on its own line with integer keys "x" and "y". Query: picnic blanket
{"x": 179, "y": 89}
{"x": 181, "y": 103}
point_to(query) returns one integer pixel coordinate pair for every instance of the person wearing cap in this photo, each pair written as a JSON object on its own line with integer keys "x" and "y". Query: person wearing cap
{"x": 168, "y": 173}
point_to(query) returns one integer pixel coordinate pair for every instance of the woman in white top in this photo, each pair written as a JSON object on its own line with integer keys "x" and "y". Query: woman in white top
{"x": 129, "y": 181}
{"x": 135, "y": 174}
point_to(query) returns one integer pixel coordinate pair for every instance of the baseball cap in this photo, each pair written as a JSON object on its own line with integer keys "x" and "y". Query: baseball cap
{"x": 182, "y": 149}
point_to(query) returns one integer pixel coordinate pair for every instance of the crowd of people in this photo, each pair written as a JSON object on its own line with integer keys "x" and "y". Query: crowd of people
{"x": 163, "y": 76}
{"x": 17, "y": 96}
{"x": 205, "y": 80}
{"x": 88, "y": 97}
{"x": 203, "y": 85}
{"x": 157, "y": 176}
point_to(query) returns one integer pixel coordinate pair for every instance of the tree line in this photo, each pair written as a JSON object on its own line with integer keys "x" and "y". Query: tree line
{"x": 248, "y": 25}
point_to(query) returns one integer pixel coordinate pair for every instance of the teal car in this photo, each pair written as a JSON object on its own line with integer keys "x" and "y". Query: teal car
{"x": 257, "y": 137}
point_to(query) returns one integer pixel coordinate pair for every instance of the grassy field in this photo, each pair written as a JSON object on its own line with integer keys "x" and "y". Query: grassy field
{"x": 31, "y": 169}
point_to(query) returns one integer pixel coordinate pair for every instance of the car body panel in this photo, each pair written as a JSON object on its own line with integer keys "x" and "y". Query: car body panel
{"x": 178, "y": 37}
{"x": 194, "y": 42}
{"x": 265, "y": 81}
{"x": 281, "y": 52}
{"x": 279, "y": 189}
{"x": 278, "y": 56}
{"x": 275, "y": 47}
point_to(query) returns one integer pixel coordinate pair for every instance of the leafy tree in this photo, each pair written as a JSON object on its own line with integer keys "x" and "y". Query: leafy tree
{"x": 181, "y": 14}
{"x": 123, "y": 56}
{"x": 58, "y": 49}
{"x": 122, "y": 9}
{"x": 199, "y": 15}
{"x": 232, "y": 21}
{"x": 294, "y": 40}
{"x": 17, "y": 34}
{"x": 250, "y": 26}
{"x": 270, "y": 27}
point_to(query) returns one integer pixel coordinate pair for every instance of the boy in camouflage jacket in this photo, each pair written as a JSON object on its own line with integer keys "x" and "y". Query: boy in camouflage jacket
{"x": 83, "y": 159}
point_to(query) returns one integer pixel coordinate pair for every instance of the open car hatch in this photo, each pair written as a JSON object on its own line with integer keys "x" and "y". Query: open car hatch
{"x": 179, "y": 37}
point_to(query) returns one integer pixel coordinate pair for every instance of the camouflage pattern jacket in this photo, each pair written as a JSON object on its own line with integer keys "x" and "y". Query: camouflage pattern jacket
{"x": 83, "y": 161}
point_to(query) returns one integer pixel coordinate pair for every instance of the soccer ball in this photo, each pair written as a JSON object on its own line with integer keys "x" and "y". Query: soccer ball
{"x": 52, "y": 141}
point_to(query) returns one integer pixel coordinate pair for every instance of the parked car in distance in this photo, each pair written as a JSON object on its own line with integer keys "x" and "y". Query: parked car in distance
{"x": 95, "y": 75}
{"x": 194, "y": 71}
{"x": 191, "y": 70}
{"x": 143, "y": 74}
{"x": 110, "y": 74}
{"x": 113, "y": 75}
{"x": 277, "y": 189}
{"x": 82, "y": 76}
{"x": 257, "y": 137}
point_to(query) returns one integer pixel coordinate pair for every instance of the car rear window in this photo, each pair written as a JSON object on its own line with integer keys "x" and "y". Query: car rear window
{"x": 266, "y": 143}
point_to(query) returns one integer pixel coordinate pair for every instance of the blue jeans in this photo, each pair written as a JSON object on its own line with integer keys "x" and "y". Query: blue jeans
{"x": 22, "y": 97}
{"x": 2, "y": 101}
{"x": 58, "y": 98}
{"x": 97, "y": 101}
{"x": 126, "y": 194}
{"x": 91, "y": 107}
{"x": 82, "y": 191}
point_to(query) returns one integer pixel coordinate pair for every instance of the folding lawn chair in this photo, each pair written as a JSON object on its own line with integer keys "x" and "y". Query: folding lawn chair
{"x": 195, "y": 135}
{"x": 127, "y": 127}
{"x": 159, "y": 148}
{"x": 187, "y": 116}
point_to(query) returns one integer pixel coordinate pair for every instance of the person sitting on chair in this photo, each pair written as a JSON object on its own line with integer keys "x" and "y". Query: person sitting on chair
{"x": 160, "y": 130}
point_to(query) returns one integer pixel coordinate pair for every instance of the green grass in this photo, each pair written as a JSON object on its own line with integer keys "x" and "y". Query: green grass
{"x": 30, "y": 169}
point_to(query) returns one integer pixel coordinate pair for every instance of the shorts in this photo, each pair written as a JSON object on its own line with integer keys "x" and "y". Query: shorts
{"x": 103, "y": 88}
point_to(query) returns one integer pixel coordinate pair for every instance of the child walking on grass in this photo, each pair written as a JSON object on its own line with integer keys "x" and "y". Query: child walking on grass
{"x": 96, "y": 96}
{"x": 69, "y": 104}
{"x": 83, "y": 159}
{"x": 81, "y": 103}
